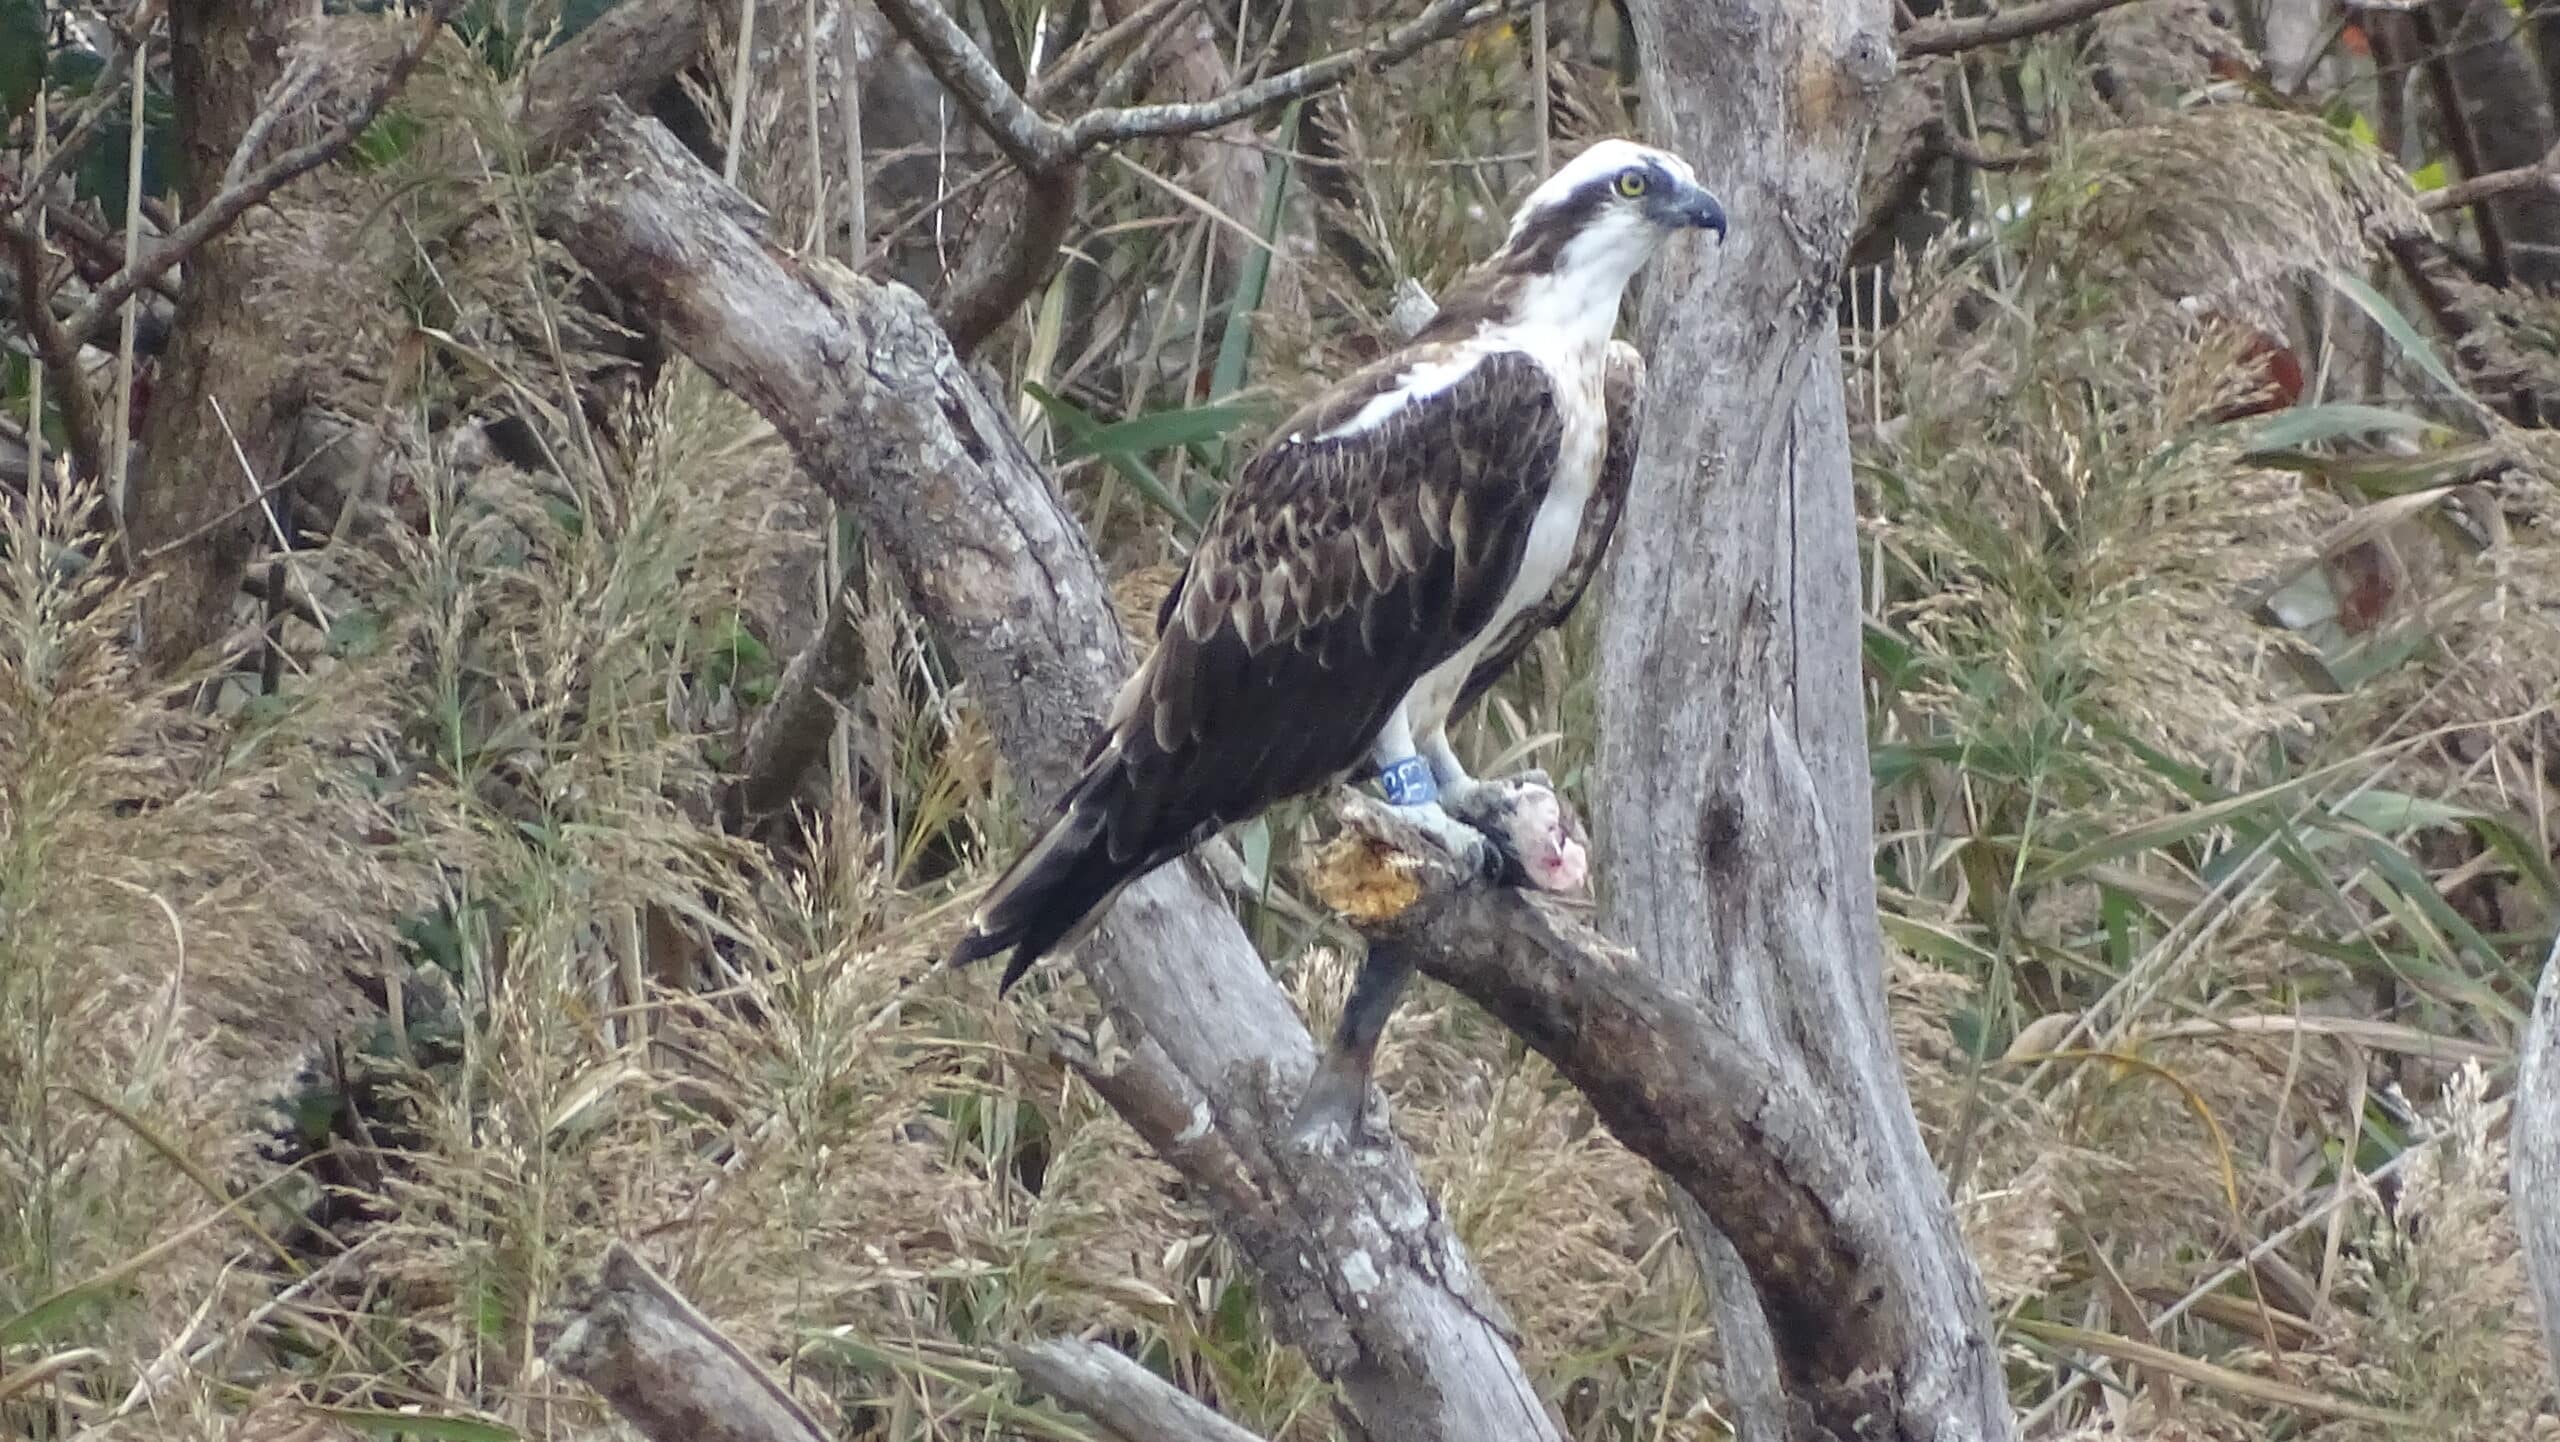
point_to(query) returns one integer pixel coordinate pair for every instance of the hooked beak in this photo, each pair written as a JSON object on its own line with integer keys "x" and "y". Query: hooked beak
{"x": 1700, "y": 210}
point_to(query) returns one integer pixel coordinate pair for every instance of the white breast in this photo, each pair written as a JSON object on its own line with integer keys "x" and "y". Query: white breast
{"x": 1551, "y": 535}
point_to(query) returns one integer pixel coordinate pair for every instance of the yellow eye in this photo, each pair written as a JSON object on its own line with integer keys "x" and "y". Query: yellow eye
{"x": 1632, "y": 183}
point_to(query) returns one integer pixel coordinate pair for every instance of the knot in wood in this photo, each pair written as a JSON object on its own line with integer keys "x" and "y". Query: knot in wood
{"x": 1720, "y": 832}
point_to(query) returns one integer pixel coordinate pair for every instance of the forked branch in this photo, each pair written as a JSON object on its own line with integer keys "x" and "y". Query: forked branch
{"x": 1049, "y": 154}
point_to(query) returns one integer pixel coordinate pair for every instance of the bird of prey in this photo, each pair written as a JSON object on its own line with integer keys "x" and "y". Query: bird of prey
{"x": 1393, "y": 547}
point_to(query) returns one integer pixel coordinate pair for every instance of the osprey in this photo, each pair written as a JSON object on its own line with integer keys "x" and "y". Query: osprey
{"x": 1387, "y": 555}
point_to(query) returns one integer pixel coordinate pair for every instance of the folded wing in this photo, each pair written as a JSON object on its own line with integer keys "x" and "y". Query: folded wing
{"x": 1369, "y": 540}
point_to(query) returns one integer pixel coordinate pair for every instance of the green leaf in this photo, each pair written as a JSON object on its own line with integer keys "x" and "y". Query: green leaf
{"x": 22, "y": 47}
{"x": 435, "y": 1427}
{"x": 2380, "y": 476}
{"x": 392, "y": 134}
{"x": 2395, "y": 325}
{"x": 1080, "y": 427}
{"x": 1154, "y": 431}
{"x": 2310, "y": 425}
{"x": 100, "y": 175}
{"x": 2429, "y": 176}
{"x": 1237, "y": 339}
{"x": 2395, "y": 811}
{"x": 2184, "y": 825}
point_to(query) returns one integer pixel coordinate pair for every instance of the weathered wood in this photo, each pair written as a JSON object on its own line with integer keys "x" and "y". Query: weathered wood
{"x": 2533, "y": 1144}
{"x": 1726, "y": 1117}
{"x": 667, "y": 1369}
{"x": 1732, "y": 814}
{"x": 1132, "y": 1403}
{"x": 1358, "y": 1267}
{"x": 630, "y": 51}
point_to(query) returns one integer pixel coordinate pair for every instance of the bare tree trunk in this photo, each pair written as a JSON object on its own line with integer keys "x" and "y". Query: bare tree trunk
{"x": 221, "y": 411}
{"x": 1733, "y": 816}
{"x": 2533, "y": 1178}
{"x": 2510, "y": 119}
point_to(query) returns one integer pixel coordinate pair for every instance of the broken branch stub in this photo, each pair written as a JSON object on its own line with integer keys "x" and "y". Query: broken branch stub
{"x": 667, "y": 1369}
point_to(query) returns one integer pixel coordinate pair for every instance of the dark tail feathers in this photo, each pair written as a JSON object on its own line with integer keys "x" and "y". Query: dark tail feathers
{"x": 1046, "y": 897}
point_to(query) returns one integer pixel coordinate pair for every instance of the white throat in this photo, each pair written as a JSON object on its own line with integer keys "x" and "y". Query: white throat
{"x": 1578, "y": 300}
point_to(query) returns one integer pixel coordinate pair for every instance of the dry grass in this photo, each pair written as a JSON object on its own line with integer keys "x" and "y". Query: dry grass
{"x": 345, "y": 1024}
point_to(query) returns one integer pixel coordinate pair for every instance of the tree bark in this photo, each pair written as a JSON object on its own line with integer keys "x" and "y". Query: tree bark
{"x": 1358, "y": 1268}
{"x": 671, "y": 1373}
{"x": 1799, "y": 1222}
{"x": 223, "y": 383}
{"x": 1132, "y": 1403}
{"x": 2533, "y": 1179}
{"x": 1733, "y": 813}
{"x": 2510, "y": 119}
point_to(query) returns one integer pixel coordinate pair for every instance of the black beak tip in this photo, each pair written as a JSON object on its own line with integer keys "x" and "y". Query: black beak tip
{"x": 1706, "y": 214}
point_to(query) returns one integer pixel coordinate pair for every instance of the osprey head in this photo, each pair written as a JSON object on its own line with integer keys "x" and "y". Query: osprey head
{"x": 1584, "y": 232}
{"x": 1622, "y": 187}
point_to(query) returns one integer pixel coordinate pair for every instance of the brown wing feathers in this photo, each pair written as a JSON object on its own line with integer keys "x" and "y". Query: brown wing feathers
{"x": 1335, "y": 574}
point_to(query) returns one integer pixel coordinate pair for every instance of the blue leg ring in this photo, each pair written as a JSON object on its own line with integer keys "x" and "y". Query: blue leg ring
{"x": 1408, "y": 782}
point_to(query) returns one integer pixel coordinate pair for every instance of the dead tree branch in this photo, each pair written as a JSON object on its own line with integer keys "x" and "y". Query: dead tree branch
{"x": 631, "y": 50}
{"x": 1132, "y": 1403}
{"x": 791, "y": 735}
{"x": 1737, "y": 842}
{"x": 2543, "y": 173}
{"x": 58, "y": 352}
{"x": 1949, "y": 37}
{"x": 667, "y": 1369}
{"x": 2534, "y": 1146}
{"x": 1755, "y": 1147}
{"x": 1441, "y": 20}
{"x": 1049, "y": 154}
{"x": 253, "y": 188}
{"x": 1358, "y": 1268}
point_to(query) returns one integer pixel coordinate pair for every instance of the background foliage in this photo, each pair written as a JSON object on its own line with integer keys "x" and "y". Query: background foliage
{"x": 361, "y": 978}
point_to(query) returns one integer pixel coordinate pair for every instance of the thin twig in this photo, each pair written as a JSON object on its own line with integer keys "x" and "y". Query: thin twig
{"x": 59, "y": 352}
{"x": 235, "y": 201}
{"x": 1948, "y": 37}
{"x": 2453, "y": 115}
{"x": 128, "y": 331}
{"x": 1028, "y": 139}
{"x": 1439, "y": 21}
{"x": 299, "y": 79}
{"x": 2542, "y": 173}
{"x": 1048, "y": 153}
{"x": 1087, "y": 57}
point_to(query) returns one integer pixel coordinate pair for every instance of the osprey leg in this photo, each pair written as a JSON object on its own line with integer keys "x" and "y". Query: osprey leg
{"x": 1338, "y": 1093}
